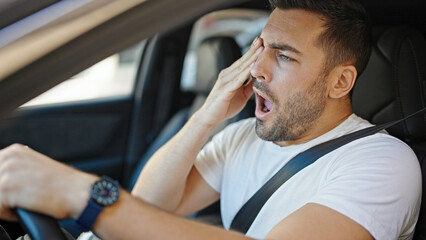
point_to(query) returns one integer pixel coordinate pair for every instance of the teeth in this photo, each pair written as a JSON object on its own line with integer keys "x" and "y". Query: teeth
{"x": 265, "y": 109}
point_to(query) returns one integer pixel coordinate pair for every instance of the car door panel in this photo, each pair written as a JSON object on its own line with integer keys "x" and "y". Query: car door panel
{"x": 89, "y": 136}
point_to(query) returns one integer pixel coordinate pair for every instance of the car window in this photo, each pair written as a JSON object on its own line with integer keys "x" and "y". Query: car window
{"x": 241, "y": 24}
{"x": 112, "y": 77}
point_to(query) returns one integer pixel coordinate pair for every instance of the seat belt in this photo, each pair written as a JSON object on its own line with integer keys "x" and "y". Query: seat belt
{"x": 246, "y": 215}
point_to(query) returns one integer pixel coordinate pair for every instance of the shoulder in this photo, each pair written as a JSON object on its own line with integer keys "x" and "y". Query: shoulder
{"x": 381, "y": 153}
{"x": 376, "y": 181}
{"x": 381, "y": 162}
{"x": 382, "y": 146}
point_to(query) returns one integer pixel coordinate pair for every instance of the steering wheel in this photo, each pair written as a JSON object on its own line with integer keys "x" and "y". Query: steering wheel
{"x": 40, "y": 226}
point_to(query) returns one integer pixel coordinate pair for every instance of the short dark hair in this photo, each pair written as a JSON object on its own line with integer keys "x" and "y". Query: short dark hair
{"x": 347, "y": 37}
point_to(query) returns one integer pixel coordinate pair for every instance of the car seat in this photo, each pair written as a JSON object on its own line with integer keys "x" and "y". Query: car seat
{"x": 392, "y": 87}
{"x": 213, "y": 55}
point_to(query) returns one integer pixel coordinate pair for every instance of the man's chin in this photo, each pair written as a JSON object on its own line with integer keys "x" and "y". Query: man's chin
{"x": 272, "y": 133}
{"x": 262, "y": 131}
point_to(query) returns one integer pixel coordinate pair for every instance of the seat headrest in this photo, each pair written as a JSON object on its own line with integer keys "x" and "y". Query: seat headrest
{"x": 213, "y": 55}
{"x": 393, "y": 84}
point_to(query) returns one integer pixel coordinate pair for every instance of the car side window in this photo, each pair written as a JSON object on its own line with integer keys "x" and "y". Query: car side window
{"x": 112, "y": 77}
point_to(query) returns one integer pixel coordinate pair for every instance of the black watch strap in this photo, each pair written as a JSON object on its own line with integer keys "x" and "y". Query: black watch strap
{"x": 89, "y": 215}
{"x": 103, "y": 193}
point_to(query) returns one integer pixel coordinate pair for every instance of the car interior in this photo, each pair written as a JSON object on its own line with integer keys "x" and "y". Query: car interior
{"x": 116, "y": 136}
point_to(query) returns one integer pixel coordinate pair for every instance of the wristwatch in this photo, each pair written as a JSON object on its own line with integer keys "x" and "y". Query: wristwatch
{"x": 103, "y": 193}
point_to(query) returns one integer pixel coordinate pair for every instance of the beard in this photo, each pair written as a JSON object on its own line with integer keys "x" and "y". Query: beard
{"x": 297, "y": 115}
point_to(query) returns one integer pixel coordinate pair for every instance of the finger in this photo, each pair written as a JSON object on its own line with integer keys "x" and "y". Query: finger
{"x": 248, "y": 56}
{"x": 243, "y": 77}
{"x": 250, "y": 59}
{"x": 257, "y": 42}
{"x": 240, "y": 71}
{"x": 235, "y": 75}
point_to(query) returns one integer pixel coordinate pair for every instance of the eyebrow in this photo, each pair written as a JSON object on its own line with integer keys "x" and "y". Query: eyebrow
{"x": 285, "y": 47}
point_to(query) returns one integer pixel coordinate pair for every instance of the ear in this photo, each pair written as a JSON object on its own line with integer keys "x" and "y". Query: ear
{"x": 342, "y": 80}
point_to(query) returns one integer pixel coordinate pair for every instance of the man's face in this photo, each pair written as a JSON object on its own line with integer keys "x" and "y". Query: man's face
{"x": 290, "y": 85}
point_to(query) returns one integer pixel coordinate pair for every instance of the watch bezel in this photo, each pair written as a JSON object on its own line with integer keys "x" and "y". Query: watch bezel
{"x": 112, "y": 188}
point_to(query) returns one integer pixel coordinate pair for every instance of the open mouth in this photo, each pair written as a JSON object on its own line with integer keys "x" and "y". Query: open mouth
{"x": 263, "y": 105}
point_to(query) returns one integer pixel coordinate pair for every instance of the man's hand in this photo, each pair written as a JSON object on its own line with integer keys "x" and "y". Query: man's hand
{"x": 33, "y": 181}
{"x": 229, "y": 96}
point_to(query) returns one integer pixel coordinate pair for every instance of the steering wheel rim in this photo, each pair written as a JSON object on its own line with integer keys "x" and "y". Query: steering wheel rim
{"x": 40, "y": 226}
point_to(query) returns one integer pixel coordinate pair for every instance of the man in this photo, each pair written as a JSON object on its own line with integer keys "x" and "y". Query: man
{"x": 305, "y": 64}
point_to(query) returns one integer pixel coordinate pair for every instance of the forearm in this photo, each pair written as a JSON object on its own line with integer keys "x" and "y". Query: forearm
{"x": 163, "y": 180}
{"x": 143, "y": 221}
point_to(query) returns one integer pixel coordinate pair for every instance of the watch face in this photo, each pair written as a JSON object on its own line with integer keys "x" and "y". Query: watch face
{"x": 104, "y": 192}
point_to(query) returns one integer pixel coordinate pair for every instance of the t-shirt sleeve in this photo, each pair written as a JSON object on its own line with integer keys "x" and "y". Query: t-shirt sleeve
{"x": 362, "y": 186}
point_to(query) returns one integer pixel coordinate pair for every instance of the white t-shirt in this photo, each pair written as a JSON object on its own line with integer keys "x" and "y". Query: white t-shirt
{"x": 375, "y": 180}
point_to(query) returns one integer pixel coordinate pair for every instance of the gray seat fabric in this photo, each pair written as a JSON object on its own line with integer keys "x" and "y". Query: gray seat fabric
{"x": 392, "y": 87}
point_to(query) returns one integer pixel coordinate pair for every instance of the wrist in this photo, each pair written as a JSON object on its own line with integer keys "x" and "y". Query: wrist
{"x": 78, "y": 201}
{"x": 202, "y": 120}
{"x": 103, "y": 194}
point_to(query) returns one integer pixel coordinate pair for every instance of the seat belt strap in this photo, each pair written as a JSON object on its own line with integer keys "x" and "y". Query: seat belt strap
{"x": 246, "y": 215}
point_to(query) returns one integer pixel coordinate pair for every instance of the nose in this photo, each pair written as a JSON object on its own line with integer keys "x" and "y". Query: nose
{"x": 260, "y": 69}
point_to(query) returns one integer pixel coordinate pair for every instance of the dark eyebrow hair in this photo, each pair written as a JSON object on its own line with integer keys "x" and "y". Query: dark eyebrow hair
{"x": 285, "y": 47}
